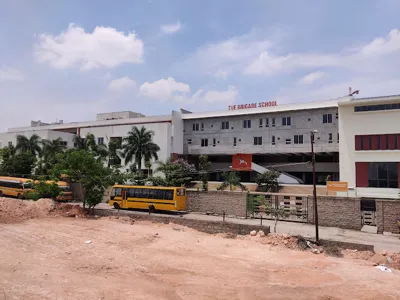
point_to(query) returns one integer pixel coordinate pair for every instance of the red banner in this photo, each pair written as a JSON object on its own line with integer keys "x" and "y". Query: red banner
{"x": 241, "y": 162}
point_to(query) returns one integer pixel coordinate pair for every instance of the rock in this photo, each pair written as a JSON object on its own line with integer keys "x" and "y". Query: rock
{"x": 253, "y": 233}
{"x": 389, "y": 260}
{"x": 261, "y": 233}
{"x": 285, "y": 242}
{"x": 384, "y": 252}
{"x": 315, "y": 251}
{"x": 378, "y": 259}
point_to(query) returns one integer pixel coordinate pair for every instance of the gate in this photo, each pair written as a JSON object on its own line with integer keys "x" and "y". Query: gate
{"x": 266, "y": 206}
{"x": 368, "y": 212}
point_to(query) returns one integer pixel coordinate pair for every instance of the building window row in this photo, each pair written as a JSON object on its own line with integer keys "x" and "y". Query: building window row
{"x": 377, "y": 107}
{"x": 327, "y": 118}
{"x": 198, "y": 127}
{"x": 377, "y": 142}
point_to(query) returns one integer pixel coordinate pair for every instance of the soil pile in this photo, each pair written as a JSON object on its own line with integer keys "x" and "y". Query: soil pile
{"x": 69, "y": 210}
{"x": 16, "y": 210}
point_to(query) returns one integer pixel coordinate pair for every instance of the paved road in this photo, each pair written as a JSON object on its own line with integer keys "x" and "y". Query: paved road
{"x": 379, "y": 241}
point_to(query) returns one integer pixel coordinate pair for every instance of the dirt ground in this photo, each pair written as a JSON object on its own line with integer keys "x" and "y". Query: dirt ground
{"x": 48, "y": 258}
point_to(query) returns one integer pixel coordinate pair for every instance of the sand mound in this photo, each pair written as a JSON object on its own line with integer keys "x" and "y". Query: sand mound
{"x": 69, "y": 210}
{"x": 16, "y": 210}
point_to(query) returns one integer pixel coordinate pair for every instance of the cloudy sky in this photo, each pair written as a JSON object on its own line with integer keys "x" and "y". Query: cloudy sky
{"x": 71, "y": 59}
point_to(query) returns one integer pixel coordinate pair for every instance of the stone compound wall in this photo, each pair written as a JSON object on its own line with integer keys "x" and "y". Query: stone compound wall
{"x": 233, "y": 203}
{"x": 211, "y": 227}
{"x": 387, "y": 211}
{"x": 336, "y": 212}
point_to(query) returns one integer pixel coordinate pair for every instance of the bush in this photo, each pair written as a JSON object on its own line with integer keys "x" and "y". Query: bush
{"x": 47, "y": 190}
{"x": 31, "y": 195}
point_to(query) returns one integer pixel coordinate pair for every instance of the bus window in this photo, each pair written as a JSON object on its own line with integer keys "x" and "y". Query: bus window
{"x": 116, "y": 192}
{"x": 169, "y": 195}
{"x": 131, "y": 193}
{"x": 180, "y": 192}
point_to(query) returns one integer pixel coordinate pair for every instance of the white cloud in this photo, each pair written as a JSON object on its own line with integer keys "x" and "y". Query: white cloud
{"x": 227, "y": 96}
{"x": 171, "y": 28}
{"x": 312, "y": 77}
{"x": 8, "y": 74}
{"x": 165, "y": 90}
{"x": 105, "y": 47}
{"x": 122, "y": 84}
{"x": 226, "y": 57}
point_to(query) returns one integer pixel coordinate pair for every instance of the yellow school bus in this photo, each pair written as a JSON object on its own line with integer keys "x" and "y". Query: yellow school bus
{"x": 148, "y": 197}
{"x": 14, "y": 186}
{"x": 66, "y": 194}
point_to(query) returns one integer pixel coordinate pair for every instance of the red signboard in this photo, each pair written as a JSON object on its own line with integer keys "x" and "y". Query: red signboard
{"x": 252, "y": 105}
{"x": 241, "y": 162}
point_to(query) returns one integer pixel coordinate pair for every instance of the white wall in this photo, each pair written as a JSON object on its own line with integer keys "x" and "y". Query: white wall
{"x": 177, "y": 132}
{"x": 161, "y": 137}
{"x": 364, "y": 123}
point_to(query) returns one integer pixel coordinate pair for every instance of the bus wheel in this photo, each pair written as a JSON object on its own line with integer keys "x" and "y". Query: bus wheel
{"x": 116, "y": 205}
{"x": 152, "y": 209}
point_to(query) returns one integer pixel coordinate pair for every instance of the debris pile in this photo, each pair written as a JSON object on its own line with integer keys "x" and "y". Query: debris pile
{"x": 16, "y": 210}
{"x": 69, "y": 210}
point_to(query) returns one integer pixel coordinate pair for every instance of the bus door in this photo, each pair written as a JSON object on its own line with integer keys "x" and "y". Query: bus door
{"x": 124, "y": 198}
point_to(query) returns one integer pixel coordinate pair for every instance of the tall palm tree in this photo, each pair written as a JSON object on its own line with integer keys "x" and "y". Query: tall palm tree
{"x": 51, "y": 148}
{"x": 138, "y": 145}
{"x": 31, "y": 144}
{"x": 85, "y": 143}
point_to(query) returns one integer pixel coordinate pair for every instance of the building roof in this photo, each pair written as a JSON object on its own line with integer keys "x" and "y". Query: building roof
{"x": 350, "y": 101}
{"x": 261, "y": 110}
{"x": 102, "y": 123}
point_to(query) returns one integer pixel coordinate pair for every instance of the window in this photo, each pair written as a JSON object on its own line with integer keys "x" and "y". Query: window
{"x": 379, "y": 141}
{"x": 298, "y": 139}
{"x": 288, "y": 141}
{"x": 246, "y": 123}
{"x": 338, "y": 137}
{"x": 330, "y": 138}
{"x": 258, "y": 140}
{"x": 214, "y": 142}
{"x": 10, "y": 144}
{"x": 115, "y": 161}
{"x": 204, "y": 142}
{"x": 273, "y": 140}
{"x": 387, "y": 142}
{"x": 273, "y": 122}
{"x": 64, "y": 143}
{"x": 116, "y": 192}
{"x": 327, "y": 118}
{"x": 196, "y": 127}
{"x": 100, "y": 141}
{"x": 260, "y": 123}
{"x": 225, "y": 125}
{"x": 234, "y": 141}
{"x": 377, "y": 107}
{"x": 396, "y": 141}
{"x": 266, "y": 122}
{"x": 361, "y": 143}
{"x": 383, "y": 175}
{"x": 286, "y": 121}
{"x": 189, "y": 141}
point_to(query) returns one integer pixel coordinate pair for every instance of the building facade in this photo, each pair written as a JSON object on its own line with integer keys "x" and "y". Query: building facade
{"x": 275, "y": 135}
{"x": 369, "y": 130}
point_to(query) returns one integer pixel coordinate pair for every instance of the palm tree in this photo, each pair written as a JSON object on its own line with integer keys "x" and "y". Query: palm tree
{"x": 138, "y": 145}
{"x": 231, "y": 179}
{"x": 111, "y": 152}
{"x": 31, "y": 145}
{"x": 51, "y": 148}
{"x": 85, "y": 143}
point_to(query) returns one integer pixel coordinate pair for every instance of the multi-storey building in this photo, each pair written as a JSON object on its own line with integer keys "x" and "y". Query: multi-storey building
{"x": 369, "y": 146}
{"x": 274, "y": 135}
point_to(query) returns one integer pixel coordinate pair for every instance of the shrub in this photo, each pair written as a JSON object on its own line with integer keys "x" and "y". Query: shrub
{"x": 32, "y": 195}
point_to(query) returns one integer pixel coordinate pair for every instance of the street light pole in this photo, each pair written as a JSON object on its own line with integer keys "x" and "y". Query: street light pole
{"x": 314, "y": 186}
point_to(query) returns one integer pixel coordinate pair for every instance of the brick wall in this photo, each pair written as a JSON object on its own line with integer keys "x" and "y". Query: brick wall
{"x": 211, "y": 227}
{"x": 387, "y": 211}
{"x": 336, "y": 212}
{"x": 233, "y": 203}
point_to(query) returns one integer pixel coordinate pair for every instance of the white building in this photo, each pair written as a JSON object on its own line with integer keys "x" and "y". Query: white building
{"x": 369, "y": 152}
{"x": 168, "y": 131}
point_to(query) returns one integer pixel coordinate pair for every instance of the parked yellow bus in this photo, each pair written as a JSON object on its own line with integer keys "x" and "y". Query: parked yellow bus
{"x": 14, "y": 186}
{"x": 148, "y": 197}
{"x": 66, "y": 194}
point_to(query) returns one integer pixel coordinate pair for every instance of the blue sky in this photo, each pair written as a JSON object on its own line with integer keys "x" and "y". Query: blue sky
{"x": 71, "y": 59}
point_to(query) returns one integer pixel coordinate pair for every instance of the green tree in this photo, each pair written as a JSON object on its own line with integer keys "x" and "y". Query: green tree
{"x": 31, "y": 144}
{"x": 231, "y": 179}
{"x": 204, "y": 167}
{"x": 112, "y": 152}
{"x": 82, "y": 166}
{"x": 277, "y": 212}
{"x": 43, "y": 189}
{"x": 177, "y": 173}
{"x": 268, "y": 181}
{"x": 47, "y": 160}
{"x": 85, "y": 143}
{"x": 139, "y": 145}
{"x": 19, "y": 164}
